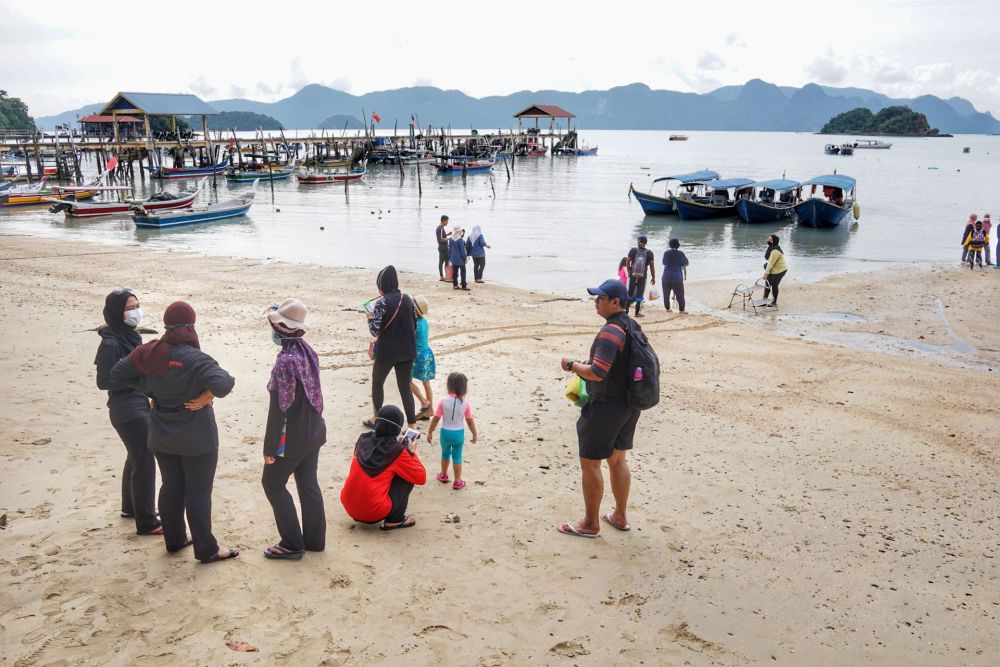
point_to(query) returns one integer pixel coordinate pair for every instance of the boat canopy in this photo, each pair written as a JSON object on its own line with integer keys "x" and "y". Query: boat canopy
{"x": 726, "y": 183}
{"x": 833, "y": 181}
{"x": 778, "y": 184}
{"x": 690, "y": 178}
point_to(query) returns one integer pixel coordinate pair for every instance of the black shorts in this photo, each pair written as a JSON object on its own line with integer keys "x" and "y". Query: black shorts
{"x": 604, "y": 426}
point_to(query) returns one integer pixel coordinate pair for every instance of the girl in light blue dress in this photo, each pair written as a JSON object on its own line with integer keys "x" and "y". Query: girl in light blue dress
{"x": 423, "y": 366}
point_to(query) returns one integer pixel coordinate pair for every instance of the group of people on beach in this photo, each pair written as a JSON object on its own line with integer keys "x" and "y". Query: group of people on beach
{"x": 454, "y": 251}
{"x": 976, "y": 241}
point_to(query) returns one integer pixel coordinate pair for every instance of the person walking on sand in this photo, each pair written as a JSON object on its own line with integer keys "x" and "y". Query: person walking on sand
{"x": 128, "y": 410}
{"x": 424, "y": 368}
{"x": 441, "y": 233}
{"x": 452, "y": 413}
{"x": 182, "y": 381}
{"x": 640, "y": 261}
{"x": 970, "y": 226}
{"x": 775, "y": 269}
{"x": 675, "y": 272}
{"x": 477, "y": 250}
{"x": 987, "y": 228}
{"x": 384, "y": 470}
{"x": 458, "y": 255}
{"x": 623, "y": 271}
{"x": 294, "y": 434}
{"x": 975, "y": 243}
{"x": 606, "y": 426}
{"x": 393, "y": 324}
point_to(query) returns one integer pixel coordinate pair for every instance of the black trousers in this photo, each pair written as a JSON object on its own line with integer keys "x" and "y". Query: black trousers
{"x": 404, "y": 371}
{"x": 139, "y": 475}
{"x": 775, "y": 279}
{"x": 454, "y": 275}
{"x": 399, "y": 495}
{"x": 442, "y": 260}
{"x": 311, "y": 534}
{"x": 676, "y": 288}
{"x": 636, "y": 288}
{"x": 478, "y": 264}
{"x": 187, "y": 489}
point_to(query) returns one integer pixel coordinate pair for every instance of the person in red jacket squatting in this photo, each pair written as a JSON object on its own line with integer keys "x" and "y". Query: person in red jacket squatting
{"x": 383, "y": 473}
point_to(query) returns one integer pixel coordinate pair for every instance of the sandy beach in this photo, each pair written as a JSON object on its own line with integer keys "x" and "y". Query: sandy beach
{"x": 818, "y": 486}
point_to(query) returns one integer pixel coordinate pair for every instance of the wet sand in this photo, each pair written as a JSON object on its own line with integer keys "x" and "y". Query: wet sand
{"x": 794, "y": 501}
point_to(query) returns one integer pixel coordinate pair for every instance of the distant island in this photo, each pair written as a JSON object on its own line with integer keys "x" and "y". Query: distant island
{"x": 14, "y": 114}
{"x": 243, "y": 121}
{"x": 894, "y": 121}
{"x": 340, "y": 122}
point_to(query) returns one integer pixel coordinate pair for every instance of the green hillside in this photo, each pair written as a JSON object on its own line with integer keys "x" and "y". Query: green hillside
{"x": 894, "y": 121}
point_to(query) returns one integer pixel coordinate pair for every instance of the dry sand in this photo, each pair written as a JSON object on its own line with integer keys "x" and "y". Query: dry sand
{"x": 793, "y": 501}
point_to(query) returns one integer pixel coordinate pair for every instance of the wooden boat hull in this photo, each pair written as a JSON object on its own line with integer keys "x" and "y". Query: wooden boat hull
{"x": 97, "y": 209}
{"x": 753, "y": 211}
{"x": 695, "y": 210}
{"x": 325, "y": 179}
{"x": 473, "y": 168}
{"x": 820, "y": 213}
{"x": 43, "y": 198}
{"x": 164, "y": 220}
{"x": 191, "y": 172}
{"x": 260, "y": 174}
{"x": 653, "y": 205}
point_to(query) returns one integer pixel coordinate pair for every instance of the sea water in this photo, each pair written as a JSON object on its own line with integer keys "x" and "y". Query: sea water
{"x": 558, "y": 224}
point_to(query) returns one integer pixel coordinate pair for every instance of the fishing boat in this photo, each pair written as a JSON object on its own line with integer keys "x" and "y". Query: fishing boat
{"x": 872, "y": 143}
{"x": 278, "y": 172}
{"x": 190, "y": 172}
{"x": 159, "y": 202}
{"x": 678, "y": 137}
{"x": 232, "y": 208}
{"x": 329, "y": 161}
{"x": 575, "y": 151}
{"x": 770, "y": 201}
{"x": 843, "y": 149}
{"x": 712, "y": 198}
{"x": 458, "y": 164}
{"x": 836, "y": 203}
{"x": 656, "y": 205}
{"x": 44, "y": 196}
{"x": 318, "y": 178}
{"x": 530, "y": 149}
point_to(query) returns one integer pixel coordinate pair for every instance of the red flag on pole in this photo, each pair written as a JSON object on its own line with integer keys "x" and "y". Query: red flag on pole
{"x": 112, "y": 163}
{"x": 376, "y": 117}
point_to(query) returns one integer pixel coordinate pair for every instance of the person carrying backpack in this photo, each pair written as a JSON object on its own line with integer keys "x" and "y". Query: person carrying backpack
{"x": 622, "y": 375}
{"x": 975, "y": 242}
{"x": 640, "y": 260}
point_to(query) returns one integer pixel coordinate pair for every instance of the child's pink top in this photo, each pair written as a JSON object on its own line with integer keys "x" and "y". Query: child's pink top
{"x": 453, "y": 412}
{"x": 623, "y": 275}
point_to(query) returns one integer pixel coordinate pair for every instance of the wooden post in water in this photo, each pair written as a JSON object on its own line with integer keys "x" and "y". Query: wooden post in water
{"x": 208, "y": 144}
{"x": 27, "y": 165}
{"x": 506, "y": 168}
{"x": 420, "y": 187}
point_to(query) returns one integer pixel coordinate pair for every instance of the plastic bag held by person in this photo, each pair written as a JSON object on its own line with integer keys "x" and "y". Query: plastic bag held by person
{"x": 576, "y": 390}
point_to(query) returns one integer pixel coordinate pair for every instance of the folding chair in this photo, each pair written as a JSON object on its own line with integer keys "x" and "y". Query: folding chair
{"x": 746, "y": 295}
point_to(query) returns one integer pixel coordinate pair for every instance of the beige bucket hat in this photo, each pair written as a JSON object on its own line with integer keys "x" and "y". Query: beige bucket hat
{"x": 421, "y": 303}
{"x": 290, "y": 314}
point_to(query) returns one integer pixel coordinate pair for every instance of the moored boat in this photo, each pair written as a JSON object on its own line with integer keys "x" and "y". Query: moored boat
{"x": 318, "y": 178}
{"x": 833, "y": 207}
{"x": 457, "y": 164}
{"x": 174, "y": 218}
{"x": 712, "y": 198}
{"x": 158, "y": 202}
{"x": 678, "y": 137}
{"x": 872, "y": 143}
{"x": 843, "y": 149}
{"x": 575, "y": 151}
{"x": 661, "y": 205}
{"x": 46, "y": 196}
{"x": 190, "y": 172}
{"x": 278, "y": 172}
{"x": 770, "y": 201}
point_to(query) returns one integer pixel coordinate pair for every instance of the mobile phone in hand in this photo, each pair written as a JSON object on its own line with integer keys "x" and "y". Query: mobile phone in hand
{"x": 412, "y": 434}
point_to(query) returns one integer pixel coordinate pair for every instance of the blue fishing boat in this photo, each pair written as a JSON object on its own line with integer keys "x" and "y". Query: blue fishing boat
{"x": 712, "y": 199}
{"x": 190, "y": 172}
{"x": 459, "y": 164}
{"x": 279, "y": 172}
{"x": 161, "y": 219}
{"x": 656, "y": 205}
{"x": 833, "y": 207}
{"x": 770, "y": 201}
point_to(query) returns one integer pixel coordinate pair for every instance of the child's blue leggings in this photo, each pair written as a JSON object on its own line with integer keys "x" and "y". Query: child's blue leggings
{"x": 452, "y": 443}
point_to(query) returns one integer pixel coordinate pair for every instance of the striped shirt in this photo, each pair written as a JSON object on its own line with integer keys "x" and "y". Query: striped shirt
{"x": 608, "y": 343}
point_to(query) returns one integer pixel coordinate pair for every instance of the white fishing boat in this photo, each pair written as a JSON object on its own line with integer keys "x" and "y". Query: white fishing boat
{"x": 872, "y": 143}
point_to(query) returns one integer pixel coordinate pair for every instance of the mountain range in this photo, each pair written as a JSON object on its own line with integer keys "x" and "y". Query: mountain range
{"x": 753, "y": 106}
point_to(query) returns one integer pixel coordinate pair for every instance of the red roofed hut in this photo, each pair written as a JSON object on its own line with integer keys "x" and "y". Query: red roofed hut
{"x": 103, "y": 126}
{"x": 550, "y": 111}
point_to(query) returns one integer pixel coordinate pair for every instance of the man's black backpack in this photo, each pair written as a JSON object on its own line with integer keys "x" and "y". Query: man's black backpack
{"x": 642, "y": 392}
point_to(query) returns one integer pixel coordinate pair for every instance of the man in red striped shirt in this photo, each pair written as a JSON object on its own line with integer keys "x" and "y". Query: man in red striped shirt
{"x": 607, "y": 423}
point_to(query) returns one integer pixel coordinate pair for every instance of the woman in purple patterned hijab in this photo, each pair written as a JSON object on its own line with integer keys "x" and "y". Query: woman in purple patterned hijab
{"x": 294, "y": 434}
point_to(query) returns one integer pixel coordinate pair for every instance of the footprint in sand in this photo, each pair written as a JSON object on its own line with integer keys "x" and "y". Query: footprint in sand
{"x": 441, "y": 631}
{"x": 569, "y": 649}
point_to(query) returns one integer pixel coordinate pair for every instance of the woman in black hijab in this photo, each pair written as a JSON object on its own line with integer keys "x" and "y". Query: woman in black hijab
{"x": 128, "y": 410}
{"x": 393, "y": 323}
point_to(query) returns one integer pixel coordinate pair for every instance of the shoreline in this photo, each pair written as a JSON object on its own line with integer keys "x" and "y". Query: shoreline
{"x": 793, "y": 502}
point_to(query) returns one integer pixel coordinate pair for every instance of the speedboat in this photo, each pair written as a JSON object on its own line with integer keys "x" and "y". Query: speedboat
{"x": 656, "y": 205}
{"x": 871, "y": 143}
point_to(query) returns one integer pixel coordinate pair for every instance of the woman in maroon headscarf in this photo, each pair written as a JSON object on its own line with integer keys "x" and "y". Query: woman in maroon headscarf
{"x": 182, "y": 381}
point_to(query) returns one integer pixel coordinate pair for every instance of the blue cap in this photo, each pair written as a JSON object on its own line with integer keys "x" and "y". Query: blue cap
{"x": 642, "y": 239}
{"x": 613, "y": 289}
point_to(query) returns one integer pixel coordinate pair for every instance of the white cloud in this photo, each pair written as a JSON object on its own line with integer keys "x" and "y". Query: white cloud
{"x": 823, "y": 69}
{"x": 710, "y": 61}
{"x": 342, "y": 84}
{"x": 202, "y": 87}
{"x": 733, "y": 40}
{"x": 237, "y": 91}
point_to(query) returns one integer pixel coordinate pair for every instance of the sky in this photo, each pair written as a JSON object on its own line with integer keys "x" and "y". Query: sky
{"x": 69, "y": 54}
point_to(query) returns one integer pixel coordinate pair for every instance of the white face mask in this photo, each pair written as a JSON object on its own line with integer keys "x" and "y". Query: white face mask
{"x": 133, "y": 317}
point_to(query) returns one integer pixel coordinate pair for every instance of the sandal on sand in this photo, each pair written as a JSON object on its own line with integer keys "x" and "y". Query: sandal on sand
{"x": 279, "y": 552}
{"x": 156, "y": 531}
{"x": 606, "y": 518}
{"x": 458, "y": 485}
{"x": 187, "y": 542}
{"x": 568, "y": 529}
{"x": 233, "y": 553}
{"x": 408, "y": 522}
{"x": 443, "y": 478}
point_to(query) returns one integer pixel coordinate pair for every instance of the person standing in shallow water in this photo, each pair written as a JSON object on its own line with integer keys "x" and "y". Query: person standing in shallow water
{"x": 182, "y": 381}
{"x": 128, "y": 410}
{"x": 294, "y": 434}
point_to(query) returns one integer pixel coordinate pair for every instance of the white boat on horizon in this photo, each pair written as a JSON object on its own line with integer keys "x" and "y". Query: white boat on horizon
{"x": 871, "y": 143}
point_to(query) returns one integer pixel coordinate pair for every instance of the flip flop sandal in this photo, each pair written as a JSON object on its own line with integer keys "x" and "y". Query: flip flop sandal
{"x": 568, "y": 529}
{"x": 408, "y": 522}
{"x": 284, "y": 554}
{"x": 233, "y": 553}
{"x": 156, "y": 531}
{"x": 443, "y": 478}
{"x": 458, "y": 485}
{"x": 606, "y": 518}
{"x": 188, "y": 542}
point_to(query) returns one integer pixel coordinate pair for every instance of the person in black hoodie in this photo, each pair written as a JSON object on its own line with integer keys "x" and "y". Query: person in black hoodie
{"x": 294, "y": 434}
{"x": 182, "y": 381}
{"x": 128, "y": 410}
{"x": 393, "y": 323}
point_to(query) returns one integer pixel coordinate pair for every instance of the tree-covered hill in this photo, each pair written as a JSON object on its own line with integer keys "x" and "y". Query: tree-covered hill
{"x": 243, "y": 121}
{"x": 894, "y": 120}
{"x": 14, "y": 114}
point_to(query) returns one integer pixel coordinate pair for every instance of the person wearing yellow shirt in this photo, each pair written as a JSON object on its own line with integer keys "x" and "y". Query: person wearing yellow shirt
{"x": 776, "y": 268}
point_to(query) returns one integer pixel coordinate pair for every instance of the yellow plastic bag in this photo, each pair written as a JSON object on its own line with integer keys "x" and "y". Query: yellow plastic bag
{"x": 576, "y": 390}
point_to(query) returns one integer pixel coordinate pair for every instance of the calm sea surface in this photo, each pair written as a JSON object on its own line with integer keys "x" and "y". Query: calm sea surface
{"x": 562, "y": 223}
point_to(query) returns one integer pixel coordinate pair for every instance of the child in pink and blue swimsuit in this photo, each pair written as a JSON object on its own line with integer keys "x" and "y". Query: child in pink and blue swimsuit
{"x": 452, "y": 413}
